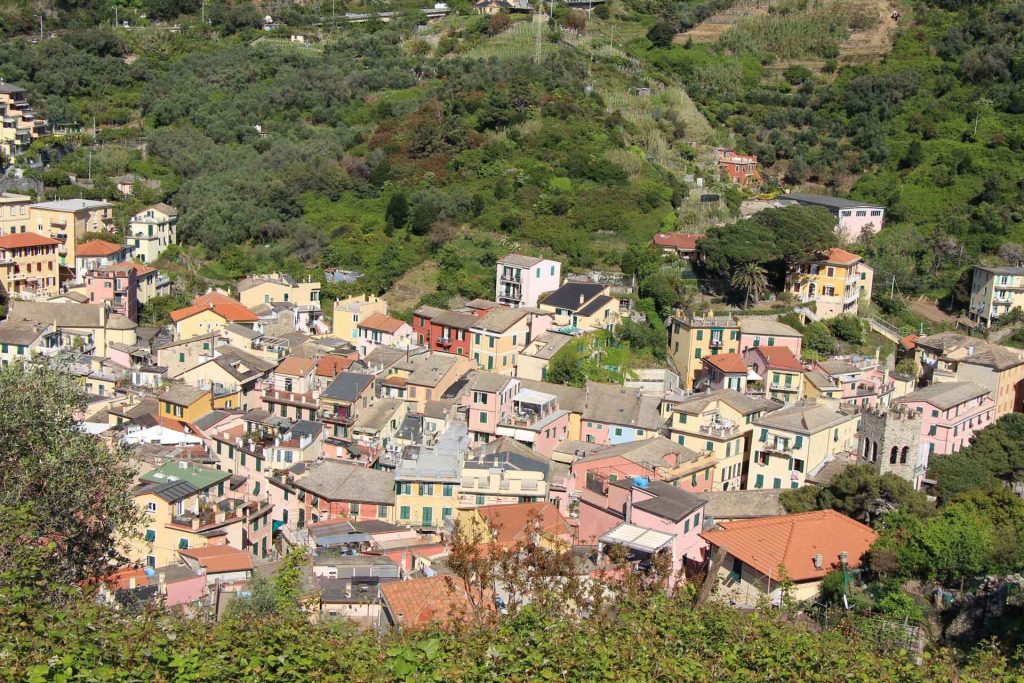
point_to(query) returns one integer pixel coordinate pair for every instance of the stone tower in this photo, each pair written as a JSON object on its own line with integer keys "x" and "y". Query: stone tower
{"x": 890, "y": 439}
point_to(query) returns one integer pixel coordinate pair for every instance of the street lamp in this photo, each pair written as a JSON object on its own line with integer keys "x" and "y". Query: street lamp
{"x": 844, "y": 558}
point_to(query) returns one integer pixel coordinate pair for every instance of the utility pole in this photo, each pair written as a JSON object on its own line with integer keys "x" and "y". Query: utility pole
{"x": 116, "y": 24}
{"x": 40, "y": 18}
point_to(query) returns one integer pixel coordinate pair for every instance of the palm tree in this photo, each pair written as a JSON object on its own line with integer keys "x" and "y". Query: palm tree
{"x": 752, "y": 279}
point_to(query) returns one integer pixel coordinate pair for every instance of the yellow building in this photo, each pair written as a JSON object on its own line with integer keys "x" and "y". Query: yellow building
{"x": 18, "y": 123}
{"x": 350, "y": 312}
{"x": 151, "y": 231}
{"x": 504, "y": 471}
{"x": 995, "y": 292}
{"x": 428, "y": 478}
{"x": 584, "y": 306}
{"x": 14, "y": 213}
{"x": 834, "y": 282}
{"x": 67, "y": 220}
{"x": 498, "y": 337}
{"x": 23, "y": 339}
{"x": 80, "y": 324}
{"x": 184, "y": 403}
{"x": 719, "y": 423}
{"x": 28, "y": 266}
{"x": 178, "y": 500}
{"x": 693, "y": 336}
{"x": 210, "y": 314}
{"x": 278, "y": 288}
{"x": 795, "y": 441}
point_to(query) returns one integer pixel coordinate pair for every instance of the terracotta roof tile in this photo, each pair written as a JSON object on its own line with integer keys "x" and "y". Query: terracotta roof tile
{"x": 727, "y": 362}
{"x": 418, "y": 602}
{"x": 26, "y": 239}
{"x": 514, "y": 522}
{"x": 837, "y": 255}
{"x": 98, "y": 248}
{"x": 332, "y": 366}
{"x": 384, "y": 323}
{"x": 139, "y": 268}
{"x": 220, "y": 558}
{"x": 676, "y": 240}
{"x": 780, "y": 357}
{"x": 297, "y": 366}
{"x": 793, "y": 540}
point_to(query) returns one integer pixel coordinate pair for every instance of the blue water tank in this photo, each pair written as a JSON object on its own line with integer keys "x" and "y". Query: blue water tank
{"x": 641, "y": 482}
{"x": 149, "y": 571}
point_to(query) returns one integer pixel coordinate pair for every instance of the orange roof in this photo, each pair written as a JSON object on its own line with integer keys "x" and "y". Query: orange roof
{"x": 780, "y": 357}
{"x": 514, "y": 522}
{"x": 332, "y": 366}
{"x": 26, "y": 239}
{"x": 231, "y": 311}
{"x": 418, "y": 602}
{"x": 793, "y": 540}
{"x": 139, "y": 268}
{"x": 841, "y": 256}
{"x": 676, "y": 240}
{"x": 121, "y": 579}
{"x": 98, "y": 248}
{"x": 727, "y": 362}
{"x": 296, "y": 366}
{"x": 214, "y": 298}
{"x": 909, "y": 342}
{"x": 216, "y": 559}
{"x": 384, "y": 323}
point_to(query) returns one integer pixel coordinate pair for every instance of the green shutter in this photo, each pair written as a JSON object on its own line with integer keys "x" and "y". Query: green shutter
{"x": 799, "y": 442}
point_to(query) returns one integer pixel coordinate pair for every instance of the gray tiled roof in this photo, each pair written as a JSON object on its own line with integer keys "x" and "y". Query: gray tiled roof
{"x": 945, "y": 395}
{"x": 339, "y": 481}
{"x": 695, "y": 405}
{"x": 347, "y": 386}
{"x": 805, "y": 417}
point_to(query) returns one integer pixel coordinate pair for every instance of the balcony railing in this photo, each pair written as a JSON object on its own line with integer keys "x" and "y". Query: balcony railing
{"x": 338, "y": 417}
{"x": 721, "y": 431}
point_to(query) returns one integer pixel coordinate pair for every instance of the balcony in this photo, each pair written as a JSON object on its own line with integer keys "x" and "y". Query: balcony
{"x": 721, "y": 431}
{"x": 716, "y": 343}
{"x": 782, "y": 386}
{"x": 510, "y": 275}
{"x": 341, "y": 417}
{"x": 775, "y": 447}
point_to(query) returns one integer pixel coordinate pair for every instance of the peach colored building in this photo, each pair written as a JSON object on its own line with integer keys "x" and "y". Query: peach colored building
{"x": 951, "y": 412}
{"x": 28, "y": 265}
{"x": 766, "y": 332}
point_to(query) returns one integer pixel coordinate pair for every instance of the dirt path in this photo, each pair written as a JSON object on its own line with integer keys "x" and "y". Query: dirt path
{"x": 872, "y": 44}
{"x": 712, "y": 28}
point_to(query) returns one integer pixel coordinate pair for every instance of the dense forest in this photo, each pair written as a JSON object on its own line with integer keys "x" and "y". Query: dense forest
{"x": 934, "y": 131}
{"x": 382, "y": 147}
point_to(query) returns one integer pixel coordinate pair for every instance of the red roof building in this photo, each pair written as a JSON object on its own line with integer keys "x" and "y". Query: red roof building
{"x": 807, "y": 546}
{"x": 739, "y": 168}
{"x": 98, "y": 248}
{"x": 419, "y": 602}
{"x": 681, "y": 243}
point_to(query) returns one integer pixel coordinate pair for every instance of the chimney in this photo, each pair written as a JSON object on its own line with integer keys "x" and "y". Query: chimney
{"x": 131, "y": 583}
{"x": 818, "y": 561}
{"x": 161, "y": 580}
{"x": 581, "y": 299}
{"x": 195, "y": 523}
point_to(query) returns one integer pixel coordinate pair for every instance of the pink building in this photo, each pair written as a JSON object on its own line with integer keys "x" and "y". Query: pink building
{"x": 382, "y": 330}
{"x": 951, "y": 412}
{"x": 648, "y": 518}
{"x": 654, "y": 459}
{"x": 765, "y": 332}
{"x": 117, "y": 285}
{"x": 861, "y": 381}
{"x": 853, "y": 218}
{"x": 489, "y": 400}
{"x": 724, "y": 371}
{"x": 520, "y": 280}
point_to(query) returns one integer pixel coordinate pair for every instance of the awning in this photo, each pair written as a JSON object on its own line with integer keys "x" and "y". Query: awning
{"x": 637, "y": 538}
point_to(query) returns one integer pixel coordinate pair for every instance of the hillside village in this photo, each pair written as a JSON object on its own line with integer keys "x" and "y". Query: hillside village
{"x": 259, "y": 424}
{"x": 491, "y": 336}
